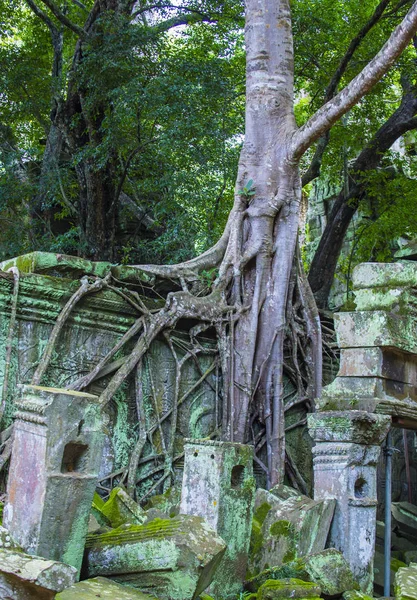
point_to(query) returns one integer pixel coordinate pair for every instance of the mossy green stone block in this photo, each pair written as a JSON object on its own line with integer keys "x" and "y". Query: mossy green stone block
{"x": 25, "y": 577}
{"x": 356, "y": 595}
{"x": 103, "y": 588}
{"x": 120, "y": 509}
{"x": 330, "y": 570}
{"x": 288, "y": 588}
{"x": 405, "y": 583}
{"x": 173, "y": 559}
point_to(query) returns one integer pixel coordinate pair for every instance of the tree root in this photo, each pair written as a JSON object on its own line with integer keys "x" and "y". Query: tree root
{"x": 10, "y": 338}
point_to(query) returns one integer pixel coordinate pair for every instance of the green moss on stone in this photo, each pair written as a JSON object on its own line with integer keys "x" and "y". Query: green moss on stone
{"x": 261, "y": 512}
{"x": 281, "y": 528}
{"x": 156, "y": 529}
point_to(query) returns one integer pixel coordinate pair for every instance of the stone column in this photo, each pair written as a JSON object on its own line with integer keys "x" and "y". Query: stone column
{"x": 56, "y": 455}
{"x": 345, "y": 466}
{"x": 218, "y": 485}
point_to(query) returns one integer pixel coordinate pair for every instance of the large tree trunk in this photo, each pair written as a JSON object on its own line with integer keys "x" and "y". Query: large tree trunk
{"x": 325, "y": 259}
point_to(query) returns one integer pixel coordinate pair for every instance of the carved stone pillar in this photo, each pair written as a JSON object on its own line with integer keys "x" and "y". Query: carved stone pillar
{"x": 56, "y": 455}
{"x": 345, "y": 460}
{"x": 218, "y": 485}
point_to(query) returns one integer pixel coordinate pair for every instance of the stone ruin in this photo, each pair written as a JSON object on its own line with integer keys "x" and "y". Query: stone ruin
{"x": 72, "y": 528}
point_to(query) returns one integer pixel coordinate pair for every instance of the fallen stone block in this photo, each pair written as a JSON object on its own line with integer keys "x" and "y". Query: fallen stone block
{"x": 404, "y": 517}
{"x": 100, "y": 587}
{"x": 405, "y": 583}
{"x": 167, "y": 503}
{"x": 173, "y": 559}
{"x": 25, "y": 577}
{"x": 283, "y": 492}
{"x": 410, "y": 557}
{"x": 288, "y": 588}
{"x": 284, "y": 530}
{"x": 330, "y": 570}
{"x": 120, "y": 509}
{"x": 356, "y": 595}
{"x": 327, "y": 569}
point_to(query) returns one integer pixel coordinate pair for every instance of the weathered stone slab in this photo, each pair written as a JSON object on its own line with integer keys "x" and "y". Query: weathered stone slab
{"x": 287, "y": 529}
{"x": 354, "y": 426}
{"x": 54, "y": 468}
{"x": 330, "y": 570}
{"x": 371, "y": 275}
{"x": 378, "y": 362}
{"x": 120, "y": 509}
{"x": 100, "y": 587}
{"x": 376, "y": 328}
{"x": 288, "y": 588}
{"x": 24, "y": 577}
{"x": 405, "y": 519}
{"x": 327, "y": 569}
{"x": 173, "y": 559}
{"x": 218, "y": 485}
{"x": 405, "y": 583}
{"x": 355, "y": 595}
{"x": 284, "y": 492}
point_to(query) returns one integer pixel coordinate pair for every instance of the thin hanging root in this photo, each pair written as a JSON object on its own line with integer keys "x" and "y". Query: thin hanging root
{"x": 10, "y": 337}
{"x": 294, "y": 474}
{"x": 138, "y": 449}
{"x": 83, "y": 382}
{"x": 83, "y": 290}
{"x": 153, "y": 325}
{"x": 155, "y": 409}
{"x": 6, "y": 453}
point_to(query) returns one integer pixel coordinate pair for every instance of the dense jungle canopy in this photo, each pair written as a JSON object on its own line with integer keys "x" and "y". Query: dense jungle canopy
{"x": 124, "y": 123}
{"x": 124, "y": 145}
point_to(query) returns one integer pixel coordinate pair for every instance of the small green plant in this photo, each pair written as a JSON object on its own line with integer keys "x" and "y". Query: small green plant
{"x": 248, "y": 190}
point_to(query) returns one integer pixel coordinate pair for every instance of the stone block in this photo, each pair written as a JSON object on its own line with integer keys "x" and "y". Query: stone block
{"x": 54, "y": 468}
{"x": 284, "y": 492}
{"x": 120, "y": 509}
{"x": 405, "y": 583}
{"x": 396, "y": 299}
{"x": 327, "y": 569}
{"x": 376, "y": 328}
{"x": 330, "y": 570}
{"x": 377, "y": 275}
{"x": 25, "y": 577}
{"x": 173, "y": 559}
{"x": 286, "y": 529}
{"x": 288, "y": 588}
{"x": 100, "y": 587}
{"x": 355, "y": 595}
{"x": 378, "y": 362}
{"x": 218, "y": 485}
{"x": 353, "y": 426}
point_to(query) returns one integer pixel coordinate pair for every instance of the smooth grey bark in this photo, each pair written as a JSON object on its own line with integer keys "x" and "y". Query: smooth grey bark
{"x": 260, "y": 238}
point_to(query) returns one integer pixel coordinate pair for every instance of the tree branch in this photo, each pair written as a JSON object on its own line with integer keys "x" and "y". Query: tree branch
{"x": 314, "y": 169}
{"x": 64, "y": 20}
{"x": 331, "y": 112}
{"x": 182, "y": 20}
{"x": 43, "y": 16}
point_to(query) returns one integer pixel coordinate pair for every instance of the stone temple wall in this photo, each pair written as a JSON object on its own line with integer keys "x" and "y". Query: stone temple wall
{"x": 47, "y": 281}
{"x": 375, "y": 390}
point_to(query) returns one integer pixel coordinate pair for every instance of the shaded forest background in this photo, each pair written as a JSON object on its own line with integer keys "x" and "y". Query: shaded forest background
{"x": 121, "y": 125}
